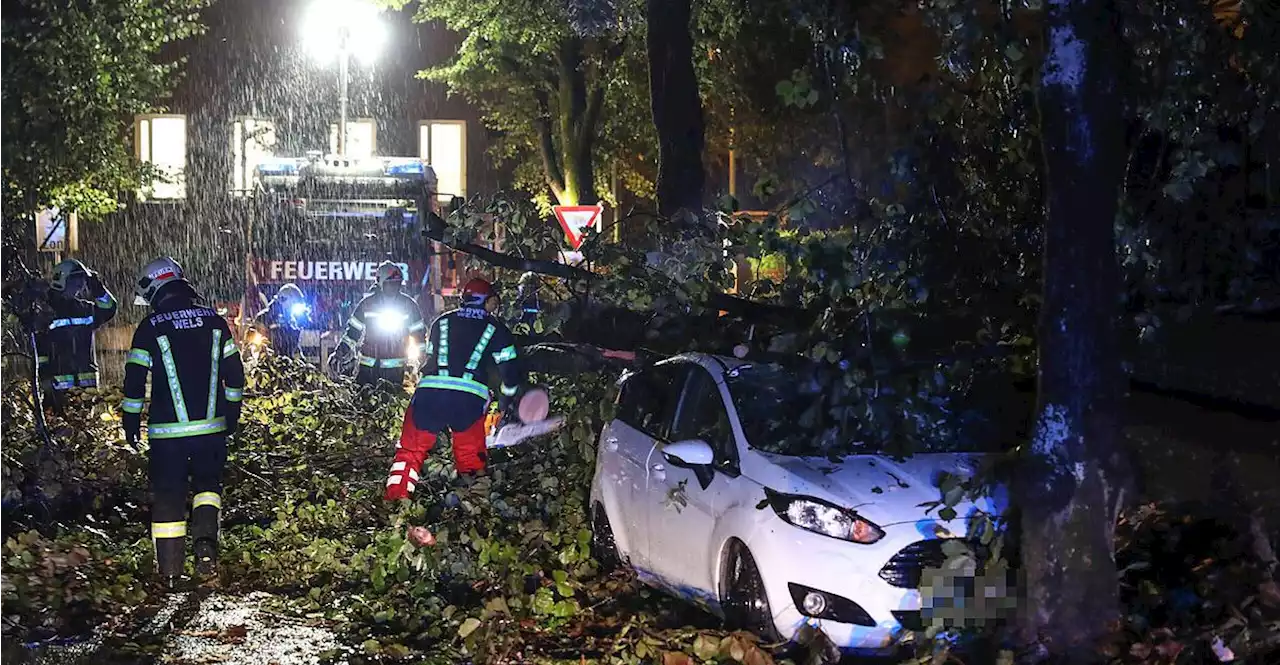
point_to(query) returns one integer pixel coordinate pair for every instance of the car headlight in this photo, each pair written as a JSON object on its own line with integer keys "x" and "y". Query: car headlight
{"x": 818, "y": 516}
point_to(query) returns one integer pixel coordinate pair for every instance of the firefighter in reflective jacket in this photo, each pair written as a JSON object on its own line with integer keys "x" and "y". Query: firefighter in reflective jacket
{"x": 285, "y": 317}
{"x": 196, "y": 384}
{"x": 379, "y": 329}
{"x": 527, "y": 299}
{"x": 463, "y": 347}
{"x": 80, "y": 305}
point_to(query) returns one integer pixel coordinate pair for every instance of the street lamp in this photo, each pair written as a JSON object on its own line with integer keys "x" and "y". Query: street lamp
{"x": 343, "y": 28}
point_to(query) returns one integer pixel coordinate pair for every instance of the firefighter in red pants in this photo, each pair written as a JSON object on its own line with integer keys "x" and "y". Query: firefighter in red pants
{"x": 463, "y": 346}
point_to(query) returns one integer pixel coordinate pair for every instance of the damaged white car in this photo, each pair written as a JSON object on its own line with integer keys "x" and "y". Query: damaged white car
{"x": 695, "y": 489}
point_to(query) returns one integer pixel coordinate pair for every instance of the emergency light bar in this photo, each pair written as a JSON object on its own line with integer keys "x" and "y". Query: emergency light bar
{"x": 316, "y": 171}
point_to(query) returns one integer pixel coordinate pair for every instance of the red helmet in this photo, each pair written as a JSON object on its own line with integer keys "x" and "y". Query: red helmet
{"x": 476, "y": 291}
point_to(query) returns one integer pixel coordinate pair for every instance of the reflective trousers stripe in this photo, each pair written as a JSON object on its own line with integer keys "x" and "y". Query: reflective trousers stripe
{"x": 168, "y": 529}
{"x": 129, "y": 405}
{"x": 207, "y": 499}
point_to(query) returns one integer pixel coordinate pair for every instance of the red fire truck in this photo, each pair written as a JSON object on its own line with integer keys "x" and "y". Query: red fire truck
{"x": 325, "y": 223}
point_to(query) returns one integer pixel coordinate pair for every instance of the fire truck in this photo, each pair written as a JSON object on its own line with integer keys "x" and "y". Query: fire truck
{"x": 324, "y": 223}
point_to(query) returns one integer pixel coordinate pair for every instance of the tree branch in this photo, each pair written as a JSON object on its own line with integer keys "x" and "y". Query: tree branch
{"x": 777, "y": 314}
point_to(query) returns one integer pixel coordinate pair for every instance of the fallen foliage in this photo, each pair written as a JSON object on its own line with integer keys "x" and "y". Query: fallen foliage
{"x": 496, "y": 572}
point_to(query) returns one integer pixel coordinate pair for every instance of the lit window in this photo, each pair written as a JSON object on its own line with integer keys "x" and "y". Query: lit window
{"x": 362, "y": 138}
{"x": 252, "y": 141}
{"x": 161, "y": 140}
{"x": 443, "y": 143}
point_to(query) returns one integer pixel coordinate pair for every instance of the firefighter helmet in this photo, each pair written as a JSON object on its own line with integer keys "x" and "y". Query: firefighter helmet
{"x": 289, "y": 292}
{"x": 389, "y": 272}
{"x": 477, "y": 291}
{"x": 157, "y": 274}
{"x": 64, "y": 271}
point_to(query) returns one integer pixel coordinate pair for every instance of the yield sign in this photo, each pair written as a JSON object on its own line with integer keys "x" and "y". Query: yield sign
{"x": 575, "y": 220}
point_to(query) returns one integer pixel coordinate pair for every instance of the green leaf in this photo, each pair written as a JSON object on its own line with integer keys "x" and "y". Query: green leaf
{"x": 469, "y": 626}
{"x": 947, "y": 513}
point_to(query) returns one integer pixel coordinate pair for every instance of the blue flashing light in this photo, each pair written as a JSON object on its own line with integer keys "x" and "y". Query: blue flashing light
{"x": 412, "y": 167}
{"x": 298, "y": 309}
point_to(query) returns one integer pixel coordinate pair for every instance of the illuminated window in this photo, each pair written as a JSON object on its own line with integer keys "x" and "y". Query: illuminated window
{"x": 362, "y": 138}
{"x": 252, "y": 141}
{"x": 443, "y": 143}
{"x": 161, "y": 140}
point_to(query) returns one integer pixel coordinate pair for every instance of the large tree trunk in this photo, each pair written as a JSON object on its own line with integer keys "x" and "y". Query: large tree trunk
{"x": 567, "y": 128}
{"x": 1075, "y": 480}
{"x": 677, "y": 109}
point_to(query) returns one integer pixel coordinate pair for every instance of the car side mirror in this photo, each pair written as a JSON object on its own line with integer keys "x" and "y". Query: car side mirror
{"x": 691, "y": 452}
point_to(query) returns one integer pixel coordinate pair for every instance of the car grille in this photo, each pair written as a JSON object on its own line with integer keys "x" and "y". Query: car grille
{"x": 905, "y": 569}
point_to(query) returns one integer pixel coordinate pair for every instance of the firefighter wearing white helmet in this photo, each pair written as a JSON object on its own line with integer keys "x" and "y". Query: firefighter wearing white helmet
{"x": 197, "y": 381}
{"x": 285, "y": 317}
{"x": 80, "y": 304}
{"x": 379, "y": 330}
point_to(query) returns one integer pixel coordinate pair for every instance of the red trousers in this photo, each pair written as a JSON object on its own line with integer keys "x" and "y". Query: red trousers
{"x": 468, "y": 454}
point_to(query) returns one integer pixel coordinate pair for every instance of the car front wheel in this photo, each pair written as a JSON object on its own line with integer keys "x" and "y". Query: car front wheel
{"x": 746, "y": 607}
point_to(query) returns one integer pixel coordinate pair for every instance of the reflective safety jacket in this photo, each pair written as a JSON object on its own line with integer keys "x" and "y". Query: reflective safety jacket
{"x": 464, "y": 347}
{"x": 381, "y": 326}
{"x": 67, "y": 355}
{"x": 195, "y": 369}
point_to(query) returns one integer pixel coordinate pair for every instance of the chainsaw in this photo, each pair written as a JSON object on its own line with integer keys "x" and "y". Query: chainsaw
{"x": 532, "y": 420}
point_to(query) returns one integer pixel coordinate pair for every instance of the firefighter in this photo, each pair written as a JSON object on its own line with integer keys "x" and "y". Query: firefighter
{"x": 80, "y": 304}
{"x": 527, "y": 299}
{"x": 463, "y": 347}
{"x": 379, "y": 329}
{"x": 197, "y": 381}
{"x": 285, "y": 317}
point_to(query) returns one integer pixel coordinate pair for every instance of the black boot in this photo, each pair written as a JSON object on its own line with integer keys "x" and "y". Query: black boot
{"x": 204, "y": 531}
{"x": 170, "y": 553}
{"x": 206, "y": 551}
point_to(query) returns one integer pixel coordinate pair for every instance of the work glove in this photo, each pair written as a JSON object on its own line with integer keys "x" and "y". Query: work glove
{"x": 132, "y": 428}
{"x": 233, "y": 417}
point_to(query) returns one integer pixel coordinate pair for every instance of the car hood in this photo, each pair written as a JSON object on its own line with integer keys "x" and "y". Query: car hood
{"x": 881, "y": 489}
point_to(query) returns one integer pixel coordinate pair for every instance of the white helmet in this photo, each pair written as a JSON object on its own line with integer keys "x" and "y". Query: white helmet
{"x": 155, "y": 275}
{"x": 289, "y": 292}
{"x": 390, "y": 273}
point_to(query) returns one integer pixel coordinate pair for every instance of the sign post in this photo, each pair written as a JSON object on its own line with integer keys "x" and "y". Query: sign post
{"x": 575, "y": 220}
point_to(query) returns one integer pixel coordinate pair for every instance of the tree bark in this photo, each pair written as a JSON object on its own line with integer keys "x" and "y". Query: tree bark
{"x": 677, "y": 109}
{"x": 1076, "y": 480}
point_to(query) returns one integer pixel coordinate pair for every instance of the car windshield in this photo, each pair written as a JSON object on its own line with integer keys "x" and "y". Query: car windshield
{"x": 784, "y": 410}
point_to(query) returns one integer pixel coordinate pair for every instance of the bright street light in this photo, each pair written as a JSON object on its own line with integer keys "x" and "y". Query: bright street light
{"x": 342, "y": 28}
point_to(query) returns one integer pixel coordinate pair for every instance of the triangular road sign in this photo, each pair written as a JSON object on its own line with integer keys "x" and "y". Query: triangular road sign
{"x": 575, "y": 220}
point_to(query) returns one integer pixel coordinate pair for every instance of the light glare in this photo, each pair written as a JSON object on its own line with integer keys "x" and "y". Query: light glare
{"x": 332, "y": 25}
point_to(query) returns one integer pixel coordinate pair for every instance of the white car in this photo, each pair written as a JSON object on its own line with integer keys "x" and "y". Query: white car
{"x": 685, "y": 493}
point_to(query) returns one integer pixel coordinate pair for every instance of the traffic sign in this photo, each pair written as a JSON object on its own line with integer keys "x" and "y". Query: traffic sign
{"x": 56, "y": 231}
{"x": 575, "y": 220}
